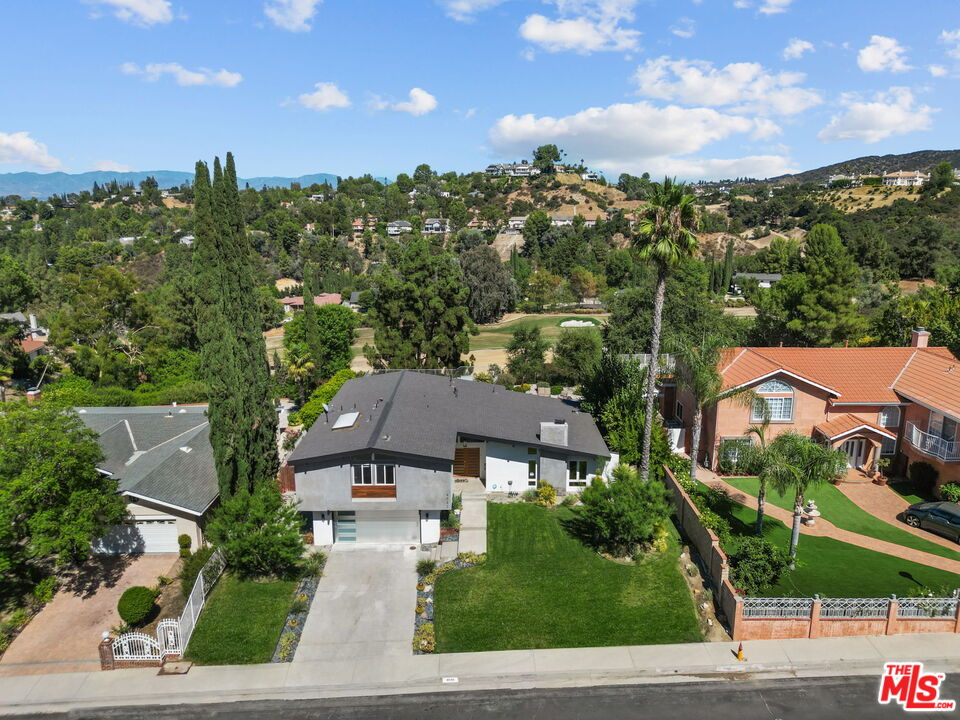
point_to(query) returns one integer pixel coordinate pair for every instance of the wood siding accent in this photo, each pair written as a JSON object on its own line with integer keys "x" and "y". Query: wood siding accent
{"x": 373, "y": 491}
{"x": 287, "y": 478}
{"x": 466, "y": 462}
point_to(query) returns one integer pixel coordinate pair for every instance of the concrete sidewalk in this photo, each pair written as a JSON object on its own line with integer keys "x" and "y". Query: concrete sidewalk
{"x": 473, "y": 525}
{"x": 574, "y": 667}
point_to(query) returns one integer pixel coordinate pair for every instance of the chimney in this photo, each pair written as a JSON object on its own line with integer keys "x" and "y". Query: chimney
{"x": 554, "y": 433}
{"x": 919, "y": 338}
{"x": 33, "y": 322}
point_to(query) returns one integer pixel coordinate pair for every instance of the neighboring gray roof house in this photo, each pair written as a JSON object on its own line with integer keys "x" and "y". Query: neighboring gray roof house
{"x": 413, "y": 413}
{"x": 158, "y": 454}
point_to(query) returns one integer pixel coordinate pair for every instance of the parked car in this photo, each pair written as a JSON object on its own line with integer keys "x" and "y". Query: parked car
{"x": 940, "y": 517}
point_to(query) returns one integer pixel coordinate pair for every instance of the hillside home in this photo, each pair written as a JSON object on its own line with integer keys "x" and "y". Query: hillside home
{"x": 520, "y": 169}
{"x": 561, "y": 220}
{"x": 516, "y": 223}
{"x": 904, "y": 178}
{"x": 902, "y": 403}
{"x": 291, "y": 304}
{"x": 398, "y": 227}
{"x": 436, "y": 226}
{"x": 163, "y": 463}
{"x": 381, "y": 465}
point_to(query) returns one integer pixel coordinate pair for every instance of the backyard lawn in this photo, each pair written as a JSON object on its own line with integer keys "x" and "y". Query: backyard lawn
{"x": 241, "y": 622}
{"x": 498, "y": 335}
{"x": 832, "y": 568}
{"x": 843, "y": 512}
{"x": 540, "y": 588}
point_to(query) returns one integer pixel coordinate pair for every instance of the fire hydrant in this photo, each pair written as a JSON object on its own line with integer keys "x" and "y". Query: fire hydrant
{"x": 811, "y": 513}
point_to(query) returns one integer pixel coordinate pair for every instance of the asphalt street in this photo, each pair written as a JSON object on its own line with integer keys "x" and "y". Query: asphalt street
{"x": 784, "y": 699}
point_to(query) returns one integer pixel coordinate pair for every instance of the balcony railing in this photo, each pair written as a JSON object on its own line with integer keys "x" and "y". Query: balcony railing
{"x": 932, "y": 444}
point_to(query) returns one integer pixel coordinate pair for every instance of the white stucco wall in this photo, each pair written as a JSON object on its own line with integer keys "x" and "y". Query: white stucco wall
{"x": 429, "y": 526}
{"x": 323, "y": 527}
{"x": 506, "y": 462}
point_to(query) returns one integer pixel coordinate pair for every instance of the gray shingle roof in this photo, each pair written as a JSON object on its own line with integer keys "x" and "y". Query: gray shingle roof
{"x": 419, "y": 414}
{"x": 143, "y": 449}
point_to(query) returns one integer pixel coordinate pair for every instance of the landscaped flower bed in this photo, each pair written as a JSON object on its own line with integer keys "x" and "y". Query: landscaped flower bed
{"x": 297, "y": 617}
{"x": 424, "y": 639}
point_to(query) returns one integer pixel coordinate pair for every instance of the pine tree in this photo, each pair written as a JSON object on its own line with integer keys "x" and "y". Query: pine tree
{"x": 242, "y": 419}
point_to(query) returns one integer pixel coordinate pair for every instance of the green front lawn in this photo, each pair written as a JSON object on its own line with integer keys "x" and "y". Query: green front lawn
{"x": 540, "y": 588}
{"x": 832, "y": 568}
{"x": 241, "y": 622}
{"x": 843, "y": 512}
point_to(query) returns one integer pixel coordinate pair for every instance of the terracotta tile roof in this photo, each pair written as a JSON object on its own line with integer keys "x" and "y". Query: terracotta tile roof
{"x": 852, "y": 375}
{"x": 843, "y": 424}
{"x": 933, "y": 379}
{"x": 321, "y": 299}
{"x": 29, "y": 345}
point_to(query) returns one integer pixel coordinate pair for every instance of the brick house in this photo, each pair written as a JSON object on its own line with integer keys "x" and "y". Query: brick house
{"x": 897, "y": 402}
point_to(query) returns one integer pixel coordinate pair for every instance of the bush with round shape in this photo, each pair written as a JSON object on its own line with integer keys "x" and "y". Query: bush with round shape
{"x": 136, "y": 604}
{"x": 546, "y": 494}
{"x": 757, "y": 565}
{"x": 951, "y": 492}
{"x": 924, "y": 475}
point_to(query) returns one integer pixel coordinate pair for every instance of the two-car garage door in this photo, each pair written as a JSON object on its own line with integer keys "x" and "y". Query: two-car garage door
{"x": 378, "y": 526}
{"x": 140, "y": 535}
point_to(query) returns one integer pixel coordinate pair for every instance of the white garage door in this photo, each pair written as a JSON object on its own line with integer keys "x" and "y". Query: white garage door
{"x": 142, "y": 535}
{"x": 388, "y": 526}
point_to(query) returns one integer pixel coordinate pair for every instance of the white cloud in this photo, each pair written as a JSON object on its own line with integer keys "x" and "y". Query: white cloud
{"x": 469, "y": 113}
{"x": 937, "y": 70}
{"x": 883, "y": 53}
{"x": 326, "y": 96}
{"x": 111, "y": 166}
{"x": 584, "y": 26}
{"x": 796, "y": 48}
{"x": 528, "y": 54}
{"x": 420, "y": 103}
{"x": 20, "y": 149}
{"x": 774, "y": 7}
{"x": 375, "y": 103}
{"x": 951, "y": 38}
{"x": 767, "y": 7}
{"x": 888, "y": 113}
{"x": 742, "y": 87}
{"x": 466, "y": 10}
{"x": 292, "y": 15}
{"x": 140, "y": 12}
{"x": 685, "y": 28}
{"x": 182, "y": 76}
{"x": 639, "y": 137}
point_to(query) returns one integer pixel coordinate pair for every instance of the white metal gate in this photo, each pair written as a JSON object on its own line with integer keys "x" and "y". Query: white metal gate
{"x": 173, "y": 634}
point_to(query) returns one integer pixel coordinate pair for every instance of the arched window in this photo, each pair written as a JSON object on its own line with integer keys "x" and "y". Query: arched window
{"x": 890, "y": 416}
{"x": 776, "y": 397}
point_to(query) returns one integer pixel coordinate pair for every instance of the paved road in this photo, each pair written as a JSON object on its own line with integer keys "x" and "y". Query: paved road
{"x": 364, "y": 606}
{"x": 822, "y": 699}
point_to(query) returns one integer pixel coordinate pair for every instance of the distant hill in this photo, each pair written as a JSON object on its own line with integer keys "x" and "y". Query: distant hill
{"x": 43, "y": 185}
{"x": 876, "y": 164}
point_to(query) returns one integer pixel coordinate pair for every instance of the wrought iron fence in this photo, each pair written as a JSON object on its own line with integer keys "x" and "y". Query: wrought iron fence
{"x": 854, "y": 608}
{"x": 928, "y": 607}
{"x": 777, "y": 607}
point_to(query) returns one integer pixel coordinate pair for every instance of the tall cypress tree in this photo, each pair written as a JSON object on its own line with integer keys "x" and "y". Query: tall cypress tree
{"x": 242, "y": 419}
{"x": 727, "y": 268}
{"x": 311, "y": 329}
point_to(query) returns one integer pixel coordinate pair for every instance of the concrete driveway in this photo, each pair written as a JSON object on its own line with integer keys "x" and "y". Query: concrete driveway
{"x": 63, "y": 637}
{"x": 364, "y": 606}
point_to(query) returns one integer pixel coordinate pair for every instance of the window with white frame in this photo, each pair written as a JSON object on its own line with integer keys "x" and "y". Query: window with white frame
{"x": 888, "y": 446}
{"x": 374, "y": 474}
{"x": 890, "y": 416}
{"x": 776, "y": 397}
{"x": 577, "y": 474}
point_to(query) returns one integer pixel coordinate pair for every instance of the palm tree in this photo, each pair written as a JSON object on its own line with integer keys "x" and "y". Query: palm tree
{"x": 765, "y": 463}
{"x": 698, "y": 373}
{"x": 300, "y": 368}
{"x": 801, "y": 464}
{"x": 665, "y": 238}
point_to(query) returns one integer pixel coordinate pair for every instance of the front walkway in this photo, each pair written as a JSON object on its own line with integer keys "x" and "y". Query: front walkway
{"x": 364, "y": 606}
{"x": 63, "y": 637}
{"x": 824, "y": 528}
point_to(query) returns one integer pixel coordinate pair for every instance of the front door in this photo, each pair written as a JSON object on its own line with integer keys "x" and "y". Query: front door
{"x": 346, "y": 526}
{"x": 855, "y": 450}
{"x": 466, "y": 462}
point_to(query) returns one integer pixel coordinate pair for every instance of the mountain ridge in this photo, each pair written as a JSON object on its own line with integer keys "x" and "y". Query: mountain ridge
{"x": 43, "y": 185}
{"x": 879, "y": 164}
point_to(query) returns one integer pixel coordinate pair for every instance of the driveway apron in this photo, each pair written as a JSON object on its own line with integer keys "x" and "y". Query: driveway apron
{"x": 364, "y": 606}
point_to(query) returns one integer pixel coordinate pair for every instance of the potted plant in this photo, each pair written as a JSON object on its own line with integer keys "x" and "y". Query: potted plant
{"x": 882, "y": 465}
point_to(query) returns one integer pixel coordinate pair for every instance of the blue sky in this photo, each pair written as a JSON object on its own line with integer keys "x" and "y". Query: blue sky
{"x": 693, "y": 88}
